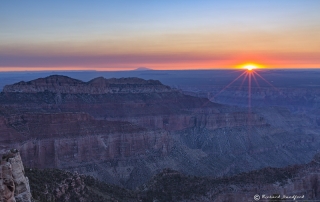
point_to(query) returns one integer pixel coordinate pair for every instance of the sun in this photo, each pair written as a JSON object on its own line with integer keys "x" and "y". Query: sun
{"x": 250, "y": 66}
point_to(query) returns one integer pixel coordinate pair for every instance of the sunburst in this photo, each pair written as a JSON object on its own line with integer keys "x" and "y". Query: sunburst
{"x": 250, "y": 66}
{"x": 249, "y": 74}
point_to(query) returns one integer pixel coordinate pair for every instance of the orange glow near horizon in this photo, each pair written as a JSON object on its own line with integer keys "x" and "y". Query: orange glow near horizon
{"x": 204, "y": 65}
{"x": 250, "y": 66}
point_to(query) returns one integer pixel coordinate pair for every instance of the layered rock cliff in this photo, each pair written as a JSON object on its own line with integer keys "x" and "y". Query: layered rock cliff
{"x": 14, "y": 185}
{"x": 76, "y": 141}
{"x": 100, "y": 85}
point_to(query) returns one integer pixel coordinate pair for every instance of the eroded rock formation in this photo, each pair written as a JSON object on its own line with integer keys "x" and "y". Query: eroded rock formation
{"x": 100, "y": 85}
{"x": 14, "y": 185}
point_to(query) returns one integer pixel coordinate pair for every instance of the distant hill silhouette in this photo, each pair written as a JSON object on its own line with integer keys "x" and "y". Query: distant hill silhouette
{"x": 143, "y": 69}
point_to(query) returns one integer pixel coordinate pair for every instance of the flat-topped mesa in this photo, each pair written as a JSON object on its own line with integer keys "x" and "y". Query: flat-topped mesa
{"x": 100, "y": 85}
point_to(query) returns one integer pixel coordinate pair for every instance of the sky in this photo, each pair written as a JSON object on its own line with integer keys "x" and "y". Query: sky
{"x": 158, "y": 34}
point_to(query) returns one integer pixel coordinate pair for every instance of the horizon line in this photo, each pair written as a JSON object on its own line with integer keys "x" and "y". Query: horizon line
{"x": 149, "y": 69}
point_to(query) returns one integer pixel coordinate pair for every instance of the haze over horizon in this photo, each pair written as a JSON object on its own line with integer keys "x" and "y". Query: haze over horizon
{"x": 125, "y": 35}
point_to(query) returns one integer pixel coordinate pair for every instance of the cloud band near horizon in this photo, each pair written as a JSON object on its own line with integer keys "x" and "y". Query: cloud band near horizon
{"x": 112, "y": 62}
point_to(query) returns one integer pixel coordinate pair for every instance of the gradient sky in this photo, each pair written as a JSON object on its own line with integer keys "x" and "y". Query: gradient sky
{"x": 159, "y": 34}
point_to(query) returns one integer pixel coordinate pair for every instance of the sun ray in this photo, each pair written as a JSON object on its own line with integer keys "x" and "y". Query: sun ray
{"x": 278, "y": 90}
{"x": 239, "y": 87}
{"x": 249, "y": 90}
{"x": 229, "y": 84}
{"x": 243, "y": 80}
{"x": 243, "y": 73}
{"x": 246, "y": 76}
{"x": 249, "y": 109}
{"x": 250, "y": 75}
{"x": 256, "y": 81}
{"x": 265, "y": 80}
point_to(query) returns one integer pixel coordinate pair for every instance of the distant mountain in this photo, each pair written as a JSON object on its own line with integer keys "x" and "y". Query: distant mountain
{"x": 143, "y": 69}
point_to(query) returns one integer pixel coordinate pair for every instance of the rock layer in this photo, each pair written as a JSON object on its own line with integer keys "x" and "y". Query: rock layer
{"x": 77, "y": 141}
{"x": 14, "y": 185}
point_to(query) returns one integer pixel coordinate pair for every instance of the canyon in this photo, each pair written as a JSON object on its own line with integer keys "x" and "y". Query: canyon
{"x": 124, "y": 131}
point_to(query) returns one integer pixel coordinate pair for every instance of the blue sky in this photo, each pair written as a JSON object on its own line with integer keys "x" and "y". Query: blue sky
{"x": 194, "y": 29}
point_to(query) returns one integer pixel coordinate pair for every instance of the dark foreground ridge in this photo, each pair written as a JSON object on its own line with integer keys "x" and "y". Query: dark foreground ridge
{"x": 169, "y": 185}
{"x": 58, "y": 185}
